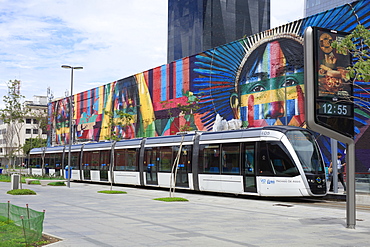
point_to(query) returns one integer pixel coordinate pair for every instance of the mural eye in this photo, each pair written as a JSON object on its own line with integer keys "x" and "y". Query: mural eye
{"x": 289, "y": 82}
{"x": 258, "y": 88}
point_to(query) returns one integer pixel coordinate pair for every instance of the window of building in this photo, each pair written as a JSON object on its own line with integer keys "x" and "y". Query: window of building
{"x": 1, "y": 150}
{"x": 28, "y": 120}
{"x": 28, "y": 131}
{"x": 35, "y": 121}
{"x": 35, "y": 131}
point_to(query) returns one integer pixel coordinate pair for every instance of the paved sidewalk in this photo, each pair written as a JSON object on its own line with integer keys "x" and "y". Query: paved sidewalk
{"x": 82, "y": 217}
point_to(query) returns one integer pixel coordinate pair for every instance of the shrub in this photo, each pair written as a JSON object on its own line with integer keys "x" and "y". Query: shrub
{"x": 21, "y": 192}
{"x": 112, "y": 192}
{"x": 4, "y": 178}
{"x": 172, "y": 199}
{"x": 57, "y": 184}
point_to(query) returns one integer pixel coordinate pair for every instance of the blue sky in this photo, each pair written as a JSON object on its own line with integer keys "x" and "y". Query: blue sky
{"x": 111, "y": 39}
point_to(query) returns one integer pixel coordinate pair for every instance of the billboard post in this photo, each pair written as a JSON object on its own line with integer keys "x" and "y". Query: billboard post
{"x": 329, "y": 108}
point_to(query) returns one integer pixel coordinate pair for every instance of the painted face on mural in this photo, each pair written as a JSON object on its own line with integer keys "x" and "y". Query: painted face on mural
{"x": 269, "y": 79}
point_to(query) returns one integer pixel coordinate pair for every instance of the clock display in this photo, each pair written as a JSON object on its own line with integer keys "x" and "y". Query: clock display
{"x": 337, "y": 109}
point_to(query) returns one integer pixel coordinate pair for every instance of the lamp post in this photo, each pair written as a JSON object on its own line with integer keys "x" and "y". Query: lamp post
{"x": 70, "y": 121}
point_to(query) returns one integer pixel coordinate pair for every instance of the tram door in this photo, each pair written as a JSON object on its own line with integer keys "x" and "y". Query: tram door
{"x": 86, "y": 163}
{"x": 249, "y": 167}
{"x": 104, "y": 164}
{"x": 151, "y": 160}
{"x": 184, "y": 167}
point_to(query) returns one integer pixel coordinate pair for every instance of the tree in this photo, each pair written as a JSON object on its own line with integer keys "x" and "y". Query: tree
{"x": 118, "y": 121}
{"x": 187, "y": 112}
{"x": 13, "y": 115}
{"x": 357, "y": 44}
{"x": 41, "y": 120}
{"x": 33, "y": 143}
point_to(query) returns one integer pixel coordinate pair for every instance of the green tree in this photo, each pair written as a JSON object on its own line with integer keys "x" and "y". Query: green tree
{"x": 357, "y": 44}
{"x": 13, "y": 115}
{"x": 33, "y": 143}
{"x": 118, "y": 121}
{"x": 186, "y": 111}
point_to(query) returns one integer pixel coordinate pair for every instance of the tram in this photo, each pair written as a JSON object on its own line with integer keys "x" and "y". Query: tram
{"x": 271, "y": 161}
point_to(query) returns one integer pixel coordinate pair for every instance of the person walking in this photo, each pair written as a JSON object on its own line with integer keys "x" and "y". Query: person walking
{"x": 340, "y": 168}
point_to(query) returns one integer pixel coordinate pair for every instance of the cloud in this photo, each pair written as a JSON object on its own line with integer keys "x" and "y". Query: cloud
{"x": 285, "y": 11}
{"x": 111, "y": 39}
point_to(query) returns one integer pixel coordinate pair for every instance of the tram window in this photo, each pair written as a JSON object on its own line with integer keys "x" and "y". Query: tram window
{"x": 104, "y": 159}
{"x": 86, "y": 159}
{"x": 280, "y": 160}
{"x": 125, "y": 160}
{"x": 185, "y": 157}
{"x": 49, "y": 160}
{"x": 151, "y": 157}
{"x": 120, "y": 160}
{"x": 36, "y": 161}
{"x": 58, "y": 160}
{"x": 209, "y": 159}
{"x": 230, "y": 158}
{"x": 308, "y": 153}
{"x": 249, "y": 159}
{"x": 131, "y": 160}
{"x": 94, "y": 160}
{"x": 165, "y": 163}
{"x": 264, "y": 163}
{"x": 74, "y": 159}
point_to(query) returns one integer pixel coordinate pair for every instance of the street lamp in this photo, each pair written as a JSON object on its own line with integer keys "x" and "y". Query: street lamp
{"x": 70, "y": 121}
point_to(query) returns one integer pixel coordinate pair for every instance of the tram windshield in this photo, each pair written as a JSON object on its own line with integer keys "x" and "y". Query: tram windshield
{"x": 307, "y": 150}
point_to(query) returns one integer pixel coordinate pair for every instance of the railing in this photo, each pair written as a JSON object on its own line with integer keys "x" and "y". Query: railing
{"x": 362, "y": 182}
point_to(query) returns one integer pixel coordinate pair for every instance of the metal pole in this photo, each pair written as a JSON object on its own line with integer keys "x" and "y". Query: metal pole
{"x": 70, "y": 122}
{"x": 351, "y": 186}
{"x": 334, "y": 164}
{"x": 70, "y": 131}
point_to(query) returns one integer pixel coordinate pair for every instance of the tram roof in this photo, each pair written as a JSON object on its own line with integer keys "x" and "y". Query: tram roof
{"x": 169, "y": 139}
{"x": 129, "y": 142}
{"x": 231, "y": 134}
{"x": 56, "y": 149}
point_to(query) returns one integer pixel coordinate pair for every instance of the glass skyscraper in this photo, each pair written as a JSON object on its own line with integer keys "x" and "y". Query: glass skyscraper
{"x": 316, "y": 6}
{"x": 198, "y": 25}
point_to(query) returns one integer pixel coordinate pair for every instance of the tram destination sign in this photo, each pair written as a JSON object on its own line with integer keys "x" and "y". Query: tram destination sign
{"x": 329, "y": 92}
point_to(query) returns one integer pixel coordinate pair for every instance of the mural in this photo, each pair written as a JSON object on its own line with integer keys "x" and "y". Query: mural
{"x": 252, "y": 82}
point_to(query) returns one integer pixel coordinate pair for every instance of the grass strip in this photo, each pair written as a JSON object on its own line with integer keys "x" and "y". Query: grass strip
{"x": 112, "y": 192}
{"x": 172, "y": 199}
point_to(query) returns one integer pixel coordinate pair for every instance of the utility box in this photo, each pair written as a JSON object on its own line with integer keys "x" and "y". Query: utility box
{"x": 15, "y": 181}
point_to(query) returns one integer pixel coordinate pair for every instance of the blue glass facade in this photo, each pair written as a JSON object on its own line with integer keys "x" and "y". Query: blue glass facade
{"x": 316, "y": 6}
{"x": 195, "y": 26}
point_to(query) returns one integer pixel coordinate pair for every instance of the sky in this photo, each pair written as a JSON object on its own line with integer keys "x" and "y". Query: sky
{"x": 110, "y": 39}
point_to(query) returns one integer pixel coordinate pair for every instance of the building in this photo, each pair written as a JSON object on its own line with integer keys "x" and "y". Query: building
{"x": 12, "y": 137}
{"x": 316, "y": 6}
{"x": 195, "y": 26}
{"x": 254, "y": 81}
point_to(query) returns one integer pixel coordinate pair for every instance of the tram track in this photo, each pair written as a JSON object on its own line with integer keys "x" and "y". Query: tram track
{"x": 314, "y": 202}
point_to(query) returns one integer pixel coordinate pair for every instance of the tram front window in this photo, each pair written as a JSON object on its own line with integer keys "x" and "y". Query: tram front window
{"x": 274, "y": 160}
{"x": 307, "y": 150}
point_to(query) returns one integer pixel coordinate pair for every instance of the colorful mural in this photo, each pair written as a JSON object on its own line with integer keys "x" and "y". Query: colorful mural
{"x": 255, "y": 81}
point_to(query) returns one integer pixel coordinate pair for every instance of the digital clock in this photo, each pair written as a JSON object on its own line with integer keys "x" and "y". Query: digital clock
{"x": 335, "y": 109}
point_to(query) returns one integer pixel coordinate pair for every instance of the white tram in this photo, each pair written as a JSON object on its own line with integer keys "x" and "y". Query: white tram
{"x": 281, "y": 161}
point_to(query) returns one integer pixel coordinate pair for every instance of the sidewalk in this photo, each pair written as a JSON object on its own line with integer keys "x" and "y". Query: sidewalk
{"x": 82, "y": 217}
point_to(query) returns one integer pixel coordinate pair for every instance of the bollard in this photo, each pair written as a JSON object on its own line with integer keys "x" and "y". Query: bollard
{"x": 15, "y": 181}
